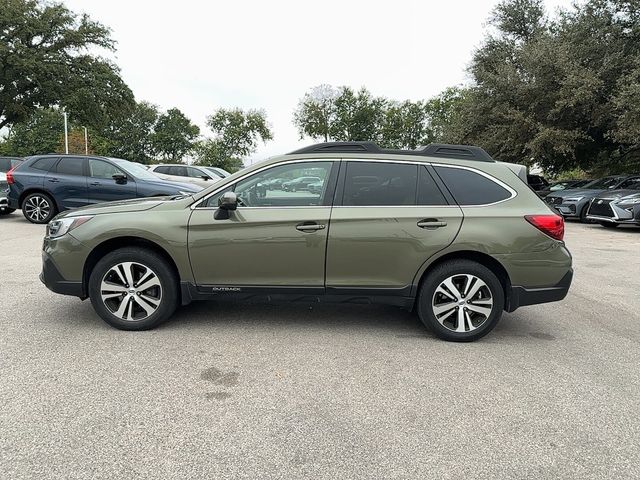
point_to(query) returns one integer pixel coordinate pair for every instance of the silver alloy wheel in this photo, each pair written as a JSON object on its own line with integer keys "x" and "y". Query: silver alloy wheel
{"x": 131, "y": 291}
{"x": 37, "y": 208}
{"x": 462, "y": 303}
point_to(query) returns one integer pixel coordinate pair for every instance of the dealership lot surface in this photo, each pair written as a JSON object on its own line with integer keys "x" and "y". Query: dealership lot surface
{"x": 227, "y": 390}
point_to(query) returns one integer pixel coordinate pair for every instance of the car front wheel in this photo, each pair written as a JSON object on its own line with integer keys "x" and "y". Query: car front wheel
{"x": 461, "y": 300}
{"x": 133, "y": 289}
{"x": 38, "y": 208}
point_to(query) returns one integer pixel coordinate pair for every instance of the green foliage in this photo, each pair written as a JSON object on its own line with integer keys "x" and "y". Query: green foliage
{"x": 561, "y": 92}
{"x": 316, "y": 112}
{"x": 405, "y": 125}
{"x": 45, "y": 61}
{"x": 41, "y": 134}
{"x": 358, "y": 116}
{"x": 130, "y": 137}
{"x": 236, "y": 135}
{"x": 173, "y": 136}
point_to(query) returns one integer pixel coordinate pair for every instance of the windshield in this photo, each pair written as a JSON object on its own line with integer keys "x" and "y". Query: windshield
{"x": 603, "y": 183}
{"x": 136, "y": 169}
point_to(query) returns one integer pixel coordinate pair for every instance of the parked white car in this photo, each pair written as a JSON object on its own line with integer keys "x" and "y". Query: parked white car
{"x": 203, "y": 176}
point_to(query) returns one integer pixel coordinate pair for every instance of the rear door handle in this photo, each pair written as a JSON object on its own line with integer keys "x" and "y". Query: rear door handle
{"x": 54, "y": 180}
{"x": 431, "y": 223}
{"x": 94, "y": 184}
{"x": 310, "y": 227}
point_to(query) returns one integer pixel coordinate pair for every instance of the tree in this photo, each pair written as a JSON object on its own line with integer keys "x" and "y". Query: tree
{"x": 236, "y": 135}
{"x": 45, "y": 61}
{"x": 316, "y": 112}
{"x": 405, "y": 125}
{"x": 559, "y": 92}
{"x": 358, "y": 116}
{"x": 40, "y": 134}
{"x": 130, "y": 137}
{"x": 173, "y": 136}
{"x": 445, "y": 112}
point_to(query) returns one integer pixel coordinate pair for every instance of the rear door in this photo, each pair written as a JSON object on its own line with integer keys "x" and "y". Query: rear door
{"x": 103, "y": 187}
{"x": 389, "y": 218}
{"x": 67, "y": 182}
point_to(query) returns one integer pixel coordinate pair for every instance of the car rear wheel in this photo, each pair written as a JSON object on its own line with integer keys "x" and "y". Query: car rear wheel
{"x": 461, "y": 300}
{"x": 38, "y": 208}
{"x": 609, "y": 225}
{"x": 133, "y": 289}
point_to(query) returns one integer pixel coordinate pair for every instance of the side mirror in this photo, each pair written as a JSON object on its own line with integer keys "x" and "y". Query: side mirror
{"x": 205, "y": 177}
{"x": 119, "y": 177}
{"x": 226, "y": 203}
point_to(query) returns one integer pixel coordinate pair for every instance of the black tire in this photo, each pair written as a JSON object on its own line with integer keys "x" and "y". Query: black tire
{"x": 7, "y": 211}
{"x": 167, "y": 298}
{"x": 38, "y": 207}
{"x": 609, "y": 225}
{"x": 457, "y": 269}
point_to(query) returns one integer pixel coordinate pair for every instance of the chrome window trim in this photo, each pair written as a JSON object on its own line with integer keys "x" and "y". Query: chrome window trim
{"x": 511, "y": 191}
{"x": 239, "y": 179}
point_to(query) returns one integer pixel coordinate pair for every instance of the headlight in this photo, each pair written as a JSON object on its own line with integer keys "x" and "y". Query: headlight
{"x": 573, "y": 199}
{"x": 628, "y": 201}
{"x": 58, "y": 228}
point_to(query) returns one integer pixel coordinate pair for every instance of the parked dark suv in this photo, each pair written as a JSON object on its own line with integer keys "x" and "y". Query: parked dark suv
{"x": 6, "y": 164}
{"x": 44, "y": 185}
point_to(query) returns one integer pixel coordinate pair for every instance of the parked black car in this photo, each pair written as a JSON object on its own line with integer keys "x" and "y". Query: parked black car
{"x": 44, "y": 185}
{"x": 7, "y": 163}
{"x": 537, "y": 182}
{"x": 617, "y": 207}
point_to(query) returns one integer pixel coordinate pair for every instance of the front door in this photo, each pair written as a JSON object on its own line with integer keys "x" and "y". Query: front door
{"x": 391, "y": 219}
{"x": 274, "y": 239}
{"x": 103, "y": 187}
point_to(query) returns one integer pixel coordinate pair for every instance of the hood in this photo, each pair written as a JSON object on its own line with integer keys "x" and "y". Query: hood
{"x": 185, "y": 187}
{"x": 576, "y": 192}
{"x": 618, "y": 194}
{"x": 120, "y": 206}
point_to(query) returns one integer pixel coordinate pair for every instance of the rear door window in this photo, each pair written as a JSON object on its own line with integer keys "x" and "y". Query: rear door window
{"x": 471, "y": 188}
{"x": 380, "y": 184}
{"x": 70, "y": 166}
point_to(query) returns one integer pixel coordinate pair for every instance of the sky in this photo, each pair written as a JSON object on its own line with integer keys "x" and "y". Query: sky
{"x": 199, "y": 56}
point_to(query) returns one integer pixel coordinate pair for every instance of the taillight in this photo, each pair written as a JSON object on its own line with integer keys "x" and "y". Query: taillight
{"x": 10, "y": 179}
{"x": 552, "y": 225}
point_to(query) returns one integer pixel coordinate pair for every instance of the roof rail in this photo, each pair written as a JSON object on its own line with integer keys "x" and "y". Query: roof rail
{"x": 462, "y": 152}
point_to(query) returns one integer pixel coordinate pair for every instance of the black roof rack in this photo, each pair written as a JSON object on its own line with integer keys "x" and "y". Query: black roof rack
{"x": 463, "y": 152}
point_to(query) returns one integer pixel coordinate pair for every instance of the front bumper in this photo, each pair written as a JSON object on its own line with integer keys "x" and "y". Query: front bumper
{"x": 523, "y": 296}
{"x": 605, "y": 210}
{"x": 55, "y": 282}
{"x": 568, "y": 209}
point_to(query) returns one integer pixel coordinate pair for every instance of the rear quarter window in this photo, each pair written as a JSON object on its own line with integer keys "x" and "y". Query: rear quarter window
{"x": 471, "y": 188}
{"x": 44, "y": 164}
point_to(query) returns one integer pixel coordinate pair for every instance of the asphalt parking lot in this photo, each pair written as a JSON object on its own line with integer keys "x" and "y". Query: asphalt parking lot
{"x": 286, "y": 391}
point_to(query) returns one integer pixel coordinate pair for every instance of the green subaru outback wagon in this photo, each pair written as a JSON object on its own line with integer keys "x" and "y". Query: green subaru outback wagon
{"x": 444, "y": 230}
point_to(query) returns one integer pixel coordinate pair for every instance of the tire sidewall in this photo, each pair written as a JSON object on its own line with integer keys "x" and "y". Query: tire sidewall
{"x": 459, "y": 267}
{"x": 52, "y": 212}
{"x": 150, "y": 259}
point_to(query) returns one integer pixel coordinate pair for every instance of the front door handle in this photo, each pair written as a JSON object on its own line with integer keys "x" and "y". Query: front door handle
{"x": 94, "y": 184}
{"x": 310, "y": 227}
{"x": 54, "y": 180}
{"x": 431, "y": 223}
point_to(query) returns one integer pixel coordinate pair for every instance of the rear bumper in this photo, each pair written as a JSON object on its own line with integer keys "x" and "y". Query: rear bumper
{"x": 55, "y": 282}
{"x": 522, "y": 296}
